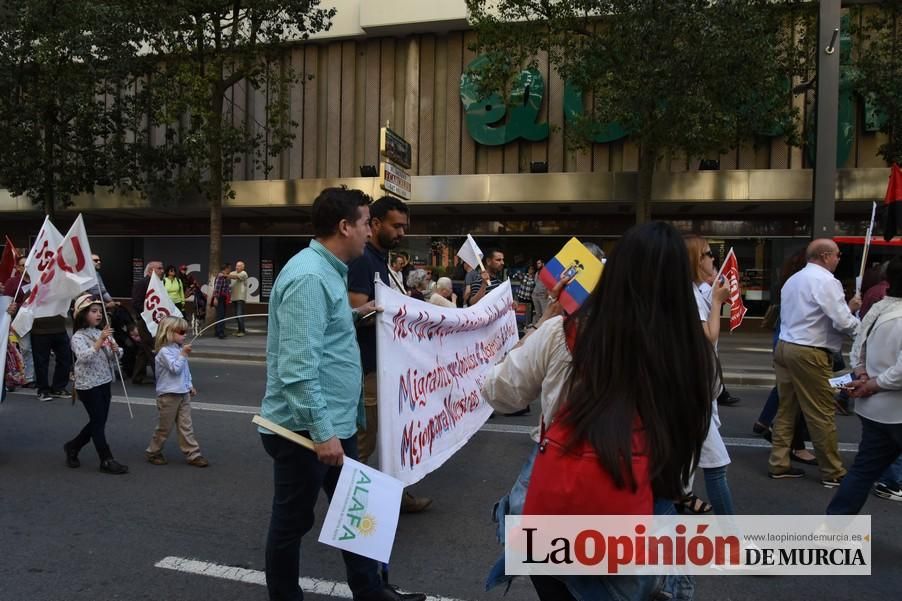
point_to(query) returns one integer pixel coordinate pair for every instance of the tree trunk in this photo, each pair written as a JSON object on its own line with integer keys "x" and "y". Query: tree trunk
{"x": 647, "y": 160}
{"x": 214, "y": 194}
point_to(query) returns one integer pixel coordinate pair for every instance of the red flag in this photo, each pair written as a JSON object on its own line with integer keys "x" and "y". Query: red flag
{"x": 8, "y": 261}
{"x": 892, "y": 204}
{"x": 730, "y": 271}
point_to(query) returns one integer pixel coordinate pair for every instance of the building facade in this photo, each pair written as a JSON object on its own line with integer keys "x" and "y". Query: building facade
{"x": 496, "y": 168}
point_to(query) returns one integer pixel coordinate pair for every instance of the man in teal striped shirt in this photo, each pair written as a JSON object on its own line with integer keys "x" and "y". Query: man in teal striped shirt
{"x": 314, "y": 387}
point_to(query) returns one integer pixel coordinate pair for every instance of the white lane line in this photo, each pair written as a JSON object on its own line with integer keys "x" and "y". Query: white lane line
{"x": 315, "y": 586}
{"x": 756, "y": 443}
{"x": 750, "y": 349}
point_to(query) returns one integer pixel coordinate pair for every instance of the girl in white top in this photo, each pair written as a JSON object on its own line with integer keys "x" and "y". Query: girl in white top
{"x": 96, "y": 354}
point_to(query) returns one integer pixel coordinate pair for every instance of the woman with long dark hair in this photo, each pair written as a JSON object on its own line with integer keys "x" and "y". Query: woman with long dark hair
{"x": 630, "y": 378}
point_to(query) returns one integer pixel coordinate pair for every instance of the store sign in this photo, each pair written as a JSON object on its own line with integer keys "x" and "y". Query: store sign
{"x": 493, "y": 121}
{"x": 394, "y": 148}
{"x": 394, "y": 180}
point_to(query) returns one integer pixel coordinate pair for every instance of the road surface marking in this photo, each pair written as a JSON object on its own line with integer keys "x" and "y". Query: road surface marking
{"x": 755, "y": 443}
{"x": 314, "y": 586}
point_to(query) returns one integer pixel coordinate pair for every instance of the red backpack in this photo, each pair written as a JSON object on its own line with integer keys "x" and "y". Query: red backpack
{"x": 573, "y": 482}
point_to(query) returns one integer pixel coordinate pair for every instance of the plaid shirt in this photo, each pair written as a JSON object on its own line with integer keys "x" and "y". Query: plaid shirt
{"x": 221, "y": 287}
{"x": 524, "y": 293}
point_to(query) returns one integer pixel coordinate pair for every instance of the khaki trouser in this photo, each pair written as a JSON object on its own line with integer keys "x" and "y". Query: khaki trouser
{"x": 367, "y": 437}
{"x": 802, "y": 374}
{"x": 174, "y": 409}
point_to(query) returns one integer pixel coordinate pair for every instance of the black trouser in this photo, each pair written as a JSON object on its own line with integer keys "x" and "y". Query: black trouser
{"x": 41, "y": 345}
{"x": 298, "y": 476}
{"x": 97, "y": 403}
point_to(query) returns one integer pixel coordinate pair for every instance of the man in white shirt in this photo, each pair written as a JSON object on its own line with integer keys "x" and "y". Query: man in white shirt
{"x": 814, "y": 318}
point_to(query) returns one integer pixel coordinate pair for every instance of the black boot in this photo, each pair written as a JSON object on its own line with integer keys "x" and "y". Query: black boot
{"x": 71, "y": 456}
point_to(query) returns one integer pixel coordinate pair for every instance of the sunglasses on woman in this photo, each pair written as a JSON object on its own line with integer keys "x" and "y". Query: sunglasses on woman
{"x": 180, "y": 332}
{"x": 708, "y": 253}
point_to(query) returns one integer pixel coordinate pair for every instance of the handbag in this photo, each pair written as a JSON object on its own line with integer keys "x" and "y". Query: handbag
{"x": 572, "y": 481}
{"x": 771, "y": 316}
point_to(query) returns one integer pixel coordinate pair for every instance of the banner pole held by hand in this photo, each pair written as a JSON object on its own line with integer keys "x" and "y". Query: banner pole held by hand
{"x": 284, "y": 432}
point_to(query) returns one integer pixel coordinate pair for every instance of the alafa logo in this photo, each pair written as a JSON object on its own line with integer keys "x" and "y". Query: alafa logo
{"x": 356, "y": 520}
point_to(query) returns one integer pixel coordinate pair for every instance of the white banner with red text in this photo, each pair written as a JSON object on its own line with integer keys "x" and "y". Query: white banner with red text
{"x": 157, "y": 304}
{"x": 431, "y": 365}
{"x": 64, "y": 273}
{"x": 702, "y": 545}
{"x": 732, "y": 275}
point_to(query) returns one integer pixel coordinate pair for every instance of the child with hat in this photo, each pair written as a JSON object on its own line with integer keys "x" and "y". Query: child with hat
{"x": 95, "y": 353}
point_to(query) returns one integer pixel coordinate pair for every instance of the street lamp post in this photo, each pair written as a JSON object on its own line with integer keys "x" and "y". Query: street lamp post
{"x": 827, "y": 103}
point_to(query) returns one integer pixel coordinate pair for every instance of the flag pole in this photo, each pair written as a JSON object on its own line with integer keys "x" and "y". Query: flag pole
{"x": 867, "y": 248}
{"x": 226, "y": 319}
{"x": 128, "y": 402}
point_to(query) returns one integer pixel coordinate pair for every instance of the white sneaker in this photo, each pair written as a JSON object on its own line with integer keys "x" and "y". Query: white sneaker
{"x": 891, "y": 493}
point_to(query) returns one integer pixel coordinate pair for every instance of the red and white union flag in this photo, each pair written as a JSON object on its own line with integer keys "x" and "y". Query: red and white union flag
{"x": 730, "y": 271}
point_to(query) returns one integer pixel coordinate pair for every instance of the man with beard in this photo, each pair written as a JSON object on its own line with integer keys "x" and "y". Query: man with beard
{"x": 388, "y": 222}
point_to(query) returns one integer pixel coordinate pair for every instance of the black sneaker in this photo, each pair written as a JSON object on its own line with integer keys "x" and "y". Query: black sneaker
{"x": 44, "y": 396}
{"x": 831, "y": 482}
{"x": 60, "y": 394}
{"x": 71, "y": 456}
{"x": 792, "y": 472}
{"x": 111, "y": 466}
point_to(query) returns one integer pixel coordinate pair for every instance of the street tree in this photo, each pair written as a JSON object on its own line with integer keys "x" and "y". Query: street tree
{"x": 879, "y": 76}
{"x": 693, "y": 77}
{"x": 61, "y": 68}
{"x": 202, "y": 50}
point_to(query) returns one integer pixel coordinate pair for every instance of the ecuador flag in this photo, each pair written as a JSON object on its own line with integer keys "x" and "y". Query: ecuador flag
{"x": 576, "y": 261}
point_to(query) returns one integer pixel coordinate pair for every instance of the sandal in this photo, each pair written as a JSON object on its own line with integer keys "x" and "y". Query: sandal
{"x": 693, "y": 504}
{"x": 795, "y": 457}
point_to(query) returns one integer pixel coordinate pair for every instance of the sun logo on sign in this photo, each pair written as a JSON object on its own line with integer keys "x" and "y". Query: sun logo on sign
{"x": 367, "y": 525}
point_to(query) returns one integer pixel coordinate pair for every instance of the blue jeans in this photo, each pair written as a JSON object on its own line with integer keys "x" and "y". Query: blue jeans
{"x": 298, "y": 476}
{"x": 893, "y": 474}
{"x": 220, "y": 315}
{"x": 239, "y": 313}
{"x": 879, "y": 448}
{"x": 718, "y": 490}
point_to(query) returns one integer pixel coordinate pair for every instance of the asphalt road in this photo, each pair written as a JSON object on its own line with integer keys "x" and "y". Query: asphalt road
{"x": 81, "y": 535}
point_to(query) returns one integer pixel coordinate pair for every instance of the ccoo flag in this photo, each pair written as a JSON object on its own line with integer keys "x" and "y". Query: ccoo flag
{"x": 730, "y": 271}
{"x": 65, "y": 273}
{"x": 9, "y": 261}
{"x": 157, "y": 304}
{"x": 584, "y": 269}
{"x": 892, "y": 204}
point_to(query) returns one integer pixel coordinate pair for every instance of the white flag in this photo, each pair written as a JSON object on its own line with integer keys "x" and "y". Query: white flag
{"x": 363, "y": 514}
{"x": 43, "y": 251}
{"x": 66, "y": 272}
{"x": 157, "y": 304}
{"x": 4, "y": 335}
{"x": 470, "y": 253}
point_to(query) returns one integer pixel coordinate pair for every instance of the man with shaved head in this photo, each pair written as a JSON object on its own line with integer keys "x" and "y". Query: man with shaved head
{"x": 814, "y": 317}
